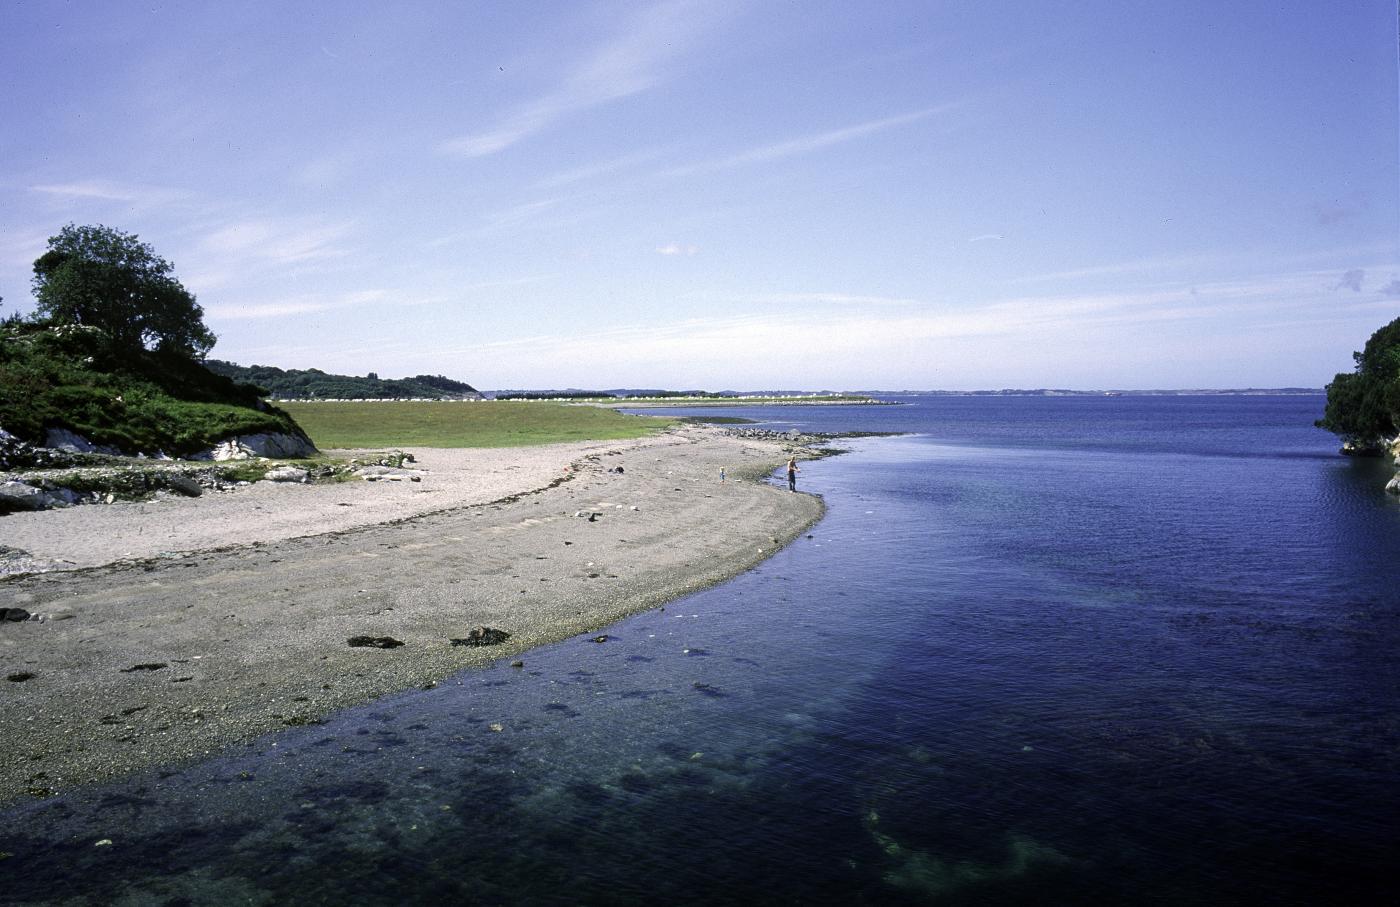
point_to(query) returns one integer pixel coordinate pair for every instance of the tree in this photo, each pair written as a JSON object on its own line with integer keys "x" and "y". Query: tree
{"x": 105, "y": 278}
{"x": 1363, "y": 406}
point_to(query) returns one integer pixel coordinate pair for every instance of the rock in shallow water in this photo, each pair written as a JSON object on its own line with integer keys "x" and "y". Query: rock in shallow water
{"x": 483, "y": 636}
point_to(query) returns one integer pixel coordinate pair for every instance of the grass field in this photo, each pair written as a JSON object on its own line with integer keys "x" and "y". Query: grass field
{"x": 456, "y": 424}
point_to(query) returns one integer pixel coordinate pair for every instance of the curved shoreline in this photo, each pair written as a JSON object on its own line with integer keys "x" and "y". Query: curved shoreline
{"x": 253, "y": 638}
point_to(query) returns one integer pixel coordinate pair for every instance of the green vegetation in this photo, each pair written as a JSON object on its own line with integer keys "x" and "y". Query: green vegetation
{"x": 312, "y": 383}
{"x": 1363, "y": 406}
{"x": 110, "y": 354}
{"x": 463, "y": 424}
{"x": 74, "y": 377}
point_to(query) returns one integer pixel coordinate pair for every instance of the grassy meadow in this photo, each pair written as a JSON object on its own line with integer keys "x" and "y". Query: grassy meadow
{"x": 458, "y": 424}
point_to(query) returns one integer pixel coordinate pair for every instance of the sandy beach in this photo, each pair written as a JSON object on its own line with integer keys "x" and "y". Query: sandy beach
{"x": 179, "y": 627}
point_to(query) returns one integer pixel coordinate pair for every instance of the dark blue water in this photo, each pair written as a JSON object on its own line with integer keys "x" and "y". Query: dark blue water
{"x": 1111, "y": 650}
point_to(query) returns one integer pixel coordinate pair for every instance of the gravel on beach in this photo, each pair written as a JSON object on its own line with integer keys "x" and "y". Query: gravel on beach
{"x": 189, "y": 625}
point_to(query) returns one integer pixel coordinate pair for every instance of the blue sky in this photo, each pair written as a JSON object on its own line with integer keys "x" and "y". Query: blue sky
{"x": 711, "y": 194}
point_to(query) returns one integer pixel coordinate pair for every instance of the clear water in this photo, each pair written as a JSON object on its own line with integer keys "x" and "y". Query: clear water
{"x": 1111, "y": 650}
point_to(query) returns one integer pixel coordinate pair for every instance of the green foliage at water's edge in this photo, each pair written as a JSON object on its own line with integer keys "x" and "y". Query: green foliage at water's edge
{"x": 1363, "y": 405}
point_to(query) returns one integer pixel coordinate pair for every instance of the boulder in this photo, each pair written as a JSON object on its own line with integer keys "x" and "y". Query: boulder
{"x": 184, "y": 485}
{"x": 286, "y": 474}
{"x": 1393, "y": 486}
{"x": 19, "y": 496}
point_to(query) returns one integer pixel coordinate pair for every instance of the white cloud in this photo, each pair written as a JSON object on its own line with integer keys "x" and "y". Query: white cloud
{"x": 985, "y": 237}
{"x": 677, "y": 249}
{"x": 861, "y": 343}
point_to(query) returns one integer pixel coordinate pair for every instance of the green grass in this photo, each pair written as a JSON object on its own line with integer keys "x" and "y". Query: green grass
{"x": 460, "y": 424}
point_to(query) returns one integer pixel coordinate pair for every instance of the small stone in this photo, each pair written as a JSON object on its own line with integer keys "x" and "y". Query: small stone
{"x": 498, "y": 727}
{"x": 149, "y": 666}
{"x": 374, "y": 642}
{"x": 21, "y": 676}
{"x": 105, "y": 842}
{"x": 517, "y": 664}
{"x": 14, "y": 615}
{"x": 601, "y": 638}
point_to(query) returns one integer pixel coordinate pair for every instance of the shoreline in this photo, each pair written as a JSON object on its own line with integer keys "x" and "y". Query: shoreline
{"x": 170, "y": 658}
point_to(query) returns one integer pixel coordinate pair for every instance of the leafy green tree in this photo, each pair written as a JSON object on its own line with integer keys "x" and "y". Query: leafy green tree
{"x": 102, "y": 277}
{"x": 1363, "y": 406}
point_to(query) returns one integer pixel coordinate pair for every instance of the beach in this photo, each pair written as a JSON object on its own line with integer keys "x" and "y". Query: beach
{"x": 177, "y": 628}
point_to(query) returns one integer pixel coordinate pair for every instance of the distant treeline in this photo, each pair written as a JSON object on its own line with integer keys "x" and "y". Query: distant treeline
{"x": 553, "y": 395}
{"x": 572, "y": 394}
{"x": 312, "y": 383}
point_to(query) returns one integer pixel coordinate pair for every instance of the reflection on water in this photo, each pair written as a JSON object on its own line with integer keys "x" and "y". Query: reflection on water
{"x": 1097, "y": 672}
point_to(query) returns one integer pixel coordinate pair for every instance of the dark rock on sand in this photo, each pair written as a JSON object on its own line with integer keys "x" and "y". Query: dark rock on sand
{"x": 483, "y": 636}
{"x": 15, "y": 615}
{"x": 21, "y": 676}
{"x": 374, "y": 642}
{"x": 149, "y": 666}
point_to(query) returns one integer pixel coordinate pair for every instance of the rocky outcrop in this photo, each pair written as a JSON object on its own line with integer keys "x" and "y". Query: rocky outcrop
{"x": 274, "y": 445}
{"x": 63, "y": 439}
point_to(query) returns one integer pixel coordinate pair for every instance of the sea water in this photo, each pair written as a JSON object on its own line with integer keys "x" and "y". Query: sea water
{"x": 1040, "y": 650}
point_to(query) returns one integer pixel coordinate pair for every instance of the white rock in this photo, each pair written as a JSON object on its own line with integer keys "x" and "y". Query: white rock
{"x": 286, "y": 474}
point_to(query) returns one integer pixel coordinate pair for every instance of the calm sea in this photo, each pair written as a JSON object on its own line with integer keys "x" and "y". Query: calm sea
{"x": 1128, "y": 650}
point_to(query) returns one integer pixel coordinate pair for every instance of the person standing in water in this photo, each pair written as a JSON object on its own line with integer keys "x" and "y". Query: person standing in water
{"x": 792, "y": 473}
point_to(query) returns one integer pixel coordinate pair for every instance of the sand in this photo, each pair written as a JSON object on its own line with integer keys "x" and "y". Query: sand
{"x": 186, "y": 626}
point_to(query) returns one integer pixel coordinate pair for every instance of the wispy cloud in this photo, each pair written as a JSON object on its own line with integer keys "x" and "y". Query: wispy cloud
{"x": 589, "y": 172}
{"x": 629, "y": 64}
{"x": 808, "y": 143}
{"x": 985, "y": 237}
{"x": 677, "y": 249}
{"x": 276, "y": 241}
{"x": 86, "y": 192}
{"x": 1391, "y": 289}
{"x": 846, "y": 299}
{"x": 294, "y": 305}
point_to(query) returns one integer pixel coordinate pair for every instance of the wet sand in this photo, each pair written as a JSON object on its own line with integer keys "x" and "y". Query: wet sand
{"x": 194, "y": 625}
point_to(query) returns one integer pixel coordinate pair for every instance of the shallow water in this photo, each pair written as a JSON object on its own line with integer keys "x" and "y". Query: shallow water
{"x": 1043, "y": 650}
